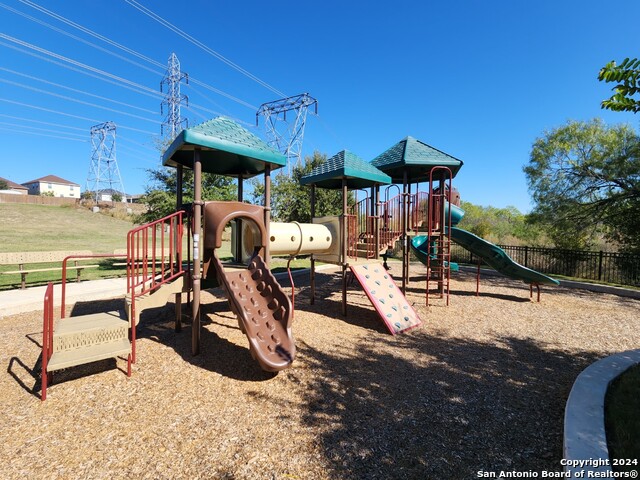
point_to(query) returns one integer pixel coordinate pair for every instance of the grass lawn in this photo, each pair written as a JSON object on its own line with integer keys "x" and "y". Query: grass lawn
{"x": 622, "y": 419}
{"x": 35, "y": 228}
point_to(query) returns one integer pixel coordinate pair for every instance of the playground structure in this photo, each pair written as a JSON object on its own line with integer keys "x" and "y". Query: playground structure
{"x": 353, "y": 241}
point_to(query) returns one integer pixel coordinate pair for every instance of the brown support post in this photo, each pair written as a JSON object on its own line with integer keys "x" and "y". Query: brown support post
{"x": 267, "y": 211}
{"x": 196, "y": 274}
{"x": 239, "y": 222}
{"x": 312, "y": 272}
{"x": 375, "y": 208}
{"x": 343, "y": 241}
{"x": 404, "y": 231}
{"x": 409, "y": 227}
{"x": 178, "y": 303}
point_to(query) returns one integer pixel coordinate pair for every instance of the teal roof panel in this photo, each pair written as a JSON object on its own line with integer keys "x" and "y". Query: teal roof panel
{"x": 226, "y": 148}
{"x": 417, "y": 158}
{"x": 347, "y": 165}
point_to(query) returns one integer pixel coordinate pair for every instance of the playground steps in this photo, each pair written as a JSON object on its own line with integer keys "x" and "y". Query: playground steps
{"x": 156, "y": 298}
{"x": 89, "y": 338}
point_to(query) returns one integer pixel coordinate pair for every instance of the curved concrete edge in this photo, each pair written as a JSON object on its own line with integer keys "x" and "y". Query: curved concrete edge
{"x": 584, "y": 432}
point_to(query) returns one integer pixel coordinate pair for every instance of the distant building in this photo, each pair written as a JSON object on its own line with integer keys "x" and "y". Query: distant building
{"x": 14, "y": 188}
{"x": 56, "y": 185}
{"x": 107, "y": 195}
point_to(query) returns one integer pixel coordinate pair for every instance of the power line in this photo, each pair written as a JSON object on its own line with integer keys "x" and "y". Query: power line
{"x": 26, "y": 132}
{"x": 13, "y": 117}
{"x": 48, "y": 130}
{"x": 201, "y": 45}
{"x": 36, "y": 107}
{"x": 75, "y": 37}
{"x": 117, "y": 45}
{"x": 97, "y": 71}
{"x": 91, "y": 33}
{"x": 65, "y": 87}
{"x": 71, "y": 99}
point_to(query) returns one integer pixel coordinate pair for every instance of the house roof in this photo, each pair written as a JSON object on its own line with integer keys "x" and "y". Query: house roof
{"x": 225, "y": 147}
{"x": 417, "y": 158}
{"x": 345, "y": 165}
{"x": 13, "y": 185}
{"x": 51, "y": 179}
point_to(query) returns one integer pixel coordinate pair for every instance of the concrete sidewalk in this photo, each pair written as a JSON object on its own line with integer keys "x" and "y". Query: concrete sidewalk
{"x": 31, "y": 299}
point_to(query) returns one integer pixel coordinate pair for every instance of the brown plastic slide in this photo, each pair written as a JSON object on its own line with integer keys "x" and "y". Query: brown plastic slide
{"x": 263, "y": 310}
{"x": 255, "y": 296}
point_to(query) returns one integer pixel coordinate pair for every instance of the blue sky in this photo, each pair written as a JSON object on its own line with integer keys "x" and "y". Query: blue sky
{"x": 478, "y": 80}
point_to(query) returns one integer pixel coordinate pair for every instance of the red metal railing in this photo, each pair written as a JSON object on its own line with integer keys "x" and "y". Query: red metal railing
{"x": 64, "y": 274}
{"x": 438, "y": 221}
{"x": 362, "y": 229}
{"x": 154, "y": 257}
{"x": 390, "y": 220}
{"x": 47, "y": 339}
{"x": 419, "y": 211}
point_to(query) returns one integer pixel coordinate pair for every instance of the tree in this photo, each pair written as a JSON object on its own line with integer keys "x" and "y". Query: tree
{"x": 291, "y": 202}
{"x": 584, "y": 178}
{"x": 160, "y": 194}
{"x": 627, "y": 79}
{"x": 116, "y": 197}
{"x": 4, "y": 185}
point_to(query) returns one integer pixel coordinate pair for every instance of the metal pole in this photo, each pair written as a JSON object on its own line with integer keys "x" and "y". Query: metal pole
{"x": 343, "y": 241}
{"x": 195, "y": 275}
{"x": 375, "y": 207}
{"x": 312, "y": 272}
{"x": 404, "y": 231}
{"x": 238, "y": 245}
{"x": 267, "y": 211}
{"x": 178, "y": 298}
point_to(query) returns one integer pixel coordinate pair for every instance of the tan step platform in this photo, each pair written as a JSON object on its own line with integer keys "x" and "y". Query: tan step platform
{"x": 89, "y": 338}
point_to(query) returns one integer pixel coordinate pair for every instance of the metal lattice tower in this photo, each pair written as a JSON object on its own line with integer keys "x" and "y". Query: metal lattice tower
{"x": 286, "y": 136}
{"x": 172, "y": 124}
{"x": 104, "y": 175}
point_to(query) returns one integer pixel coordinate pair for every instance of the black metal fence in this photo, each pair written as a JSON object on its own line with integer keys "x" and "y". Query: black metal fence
{"x": 610, "y": 267}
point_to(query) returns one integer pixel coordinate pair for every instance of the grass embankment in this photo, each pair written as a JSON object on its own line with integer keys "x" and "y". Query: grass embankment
{"x": 622, "y": 419}
{"x": 36, "y": 228}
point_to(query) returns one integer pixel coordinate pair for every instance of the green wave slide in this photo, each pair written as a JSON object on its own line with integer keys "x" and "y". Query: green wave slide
{"x": 493, "y": 255}
{"x": 498, "y": 259}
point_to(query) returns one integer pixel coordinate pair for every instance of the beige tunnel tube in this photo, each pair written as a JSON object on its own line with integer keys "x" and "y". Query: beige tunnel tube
{"x": 289, "y": 239}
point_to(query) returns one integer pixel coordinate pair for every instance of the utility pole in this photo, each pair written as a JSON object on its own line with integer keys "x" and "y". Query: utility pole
{"x": 104, "y": 175}
{"x": 173, "y": 121}
{"x": 286, "y": 136}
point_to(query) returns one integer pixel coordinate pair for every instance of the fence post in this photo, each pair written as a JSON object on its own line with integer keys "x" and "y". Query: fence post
{"x": 526, "y": 255}
{"x": 600, "y": 265}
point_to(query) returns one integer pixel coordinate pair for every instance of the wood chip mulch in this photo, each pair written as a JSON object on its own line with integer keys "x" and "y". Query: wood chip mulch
{"x": 481, "y": 385}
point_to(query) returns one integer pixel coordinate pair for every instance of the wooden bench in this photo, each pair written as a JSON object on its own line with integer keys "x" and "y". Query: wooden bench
{"x": 27, "y": 262}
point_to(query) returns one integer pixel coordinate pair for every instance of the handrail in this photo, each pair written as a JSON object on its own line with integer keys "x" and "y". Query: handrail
{"x": 64, "y": 274}
{"x": 142, "y": 253}
{"x": 47, "y": 338}
{"x": 391, "y": 216}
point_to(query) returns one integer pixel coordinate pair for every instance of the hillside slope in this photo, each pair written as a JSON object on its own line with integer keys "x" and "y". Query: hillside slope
{"x": 39, "y": 227}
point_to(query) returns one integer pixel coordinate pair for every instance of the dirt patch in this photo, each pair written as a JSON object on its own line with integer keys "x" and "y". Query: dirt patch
{"x": 481, "y": 385}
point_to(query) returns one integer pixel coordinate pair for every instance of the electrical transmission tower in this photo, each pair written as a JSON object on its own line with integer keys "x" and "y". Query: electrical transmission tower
{"x": 104, "y": 175}
{"x": 286, "y": 136}
{"x": 172, "y": 124}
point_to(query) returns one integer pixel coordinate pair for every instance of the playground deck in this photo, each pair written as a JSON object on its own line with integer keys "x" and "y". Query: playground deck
{"x": 481, "y": 385}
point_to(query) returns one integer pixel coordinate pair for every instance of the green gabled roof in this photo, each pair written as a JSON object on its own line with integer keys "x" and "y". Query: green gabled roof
{"x": 344, "y": 164}
{"x": 417, "y": 158}
{"x": 226, "y": 148}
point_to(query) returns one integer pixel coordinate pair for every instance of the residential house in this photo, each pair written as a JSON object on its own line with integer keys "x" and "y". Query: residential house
{"x": 14, "y": 188}
{"x": 56, "y": 185}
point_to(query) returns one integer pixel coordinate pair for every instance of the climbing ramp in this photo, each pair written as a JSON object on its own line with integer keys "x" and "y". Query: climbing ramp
{"x": 263, "y": 310}
{"x": 386, "y": 297}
